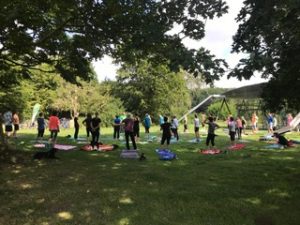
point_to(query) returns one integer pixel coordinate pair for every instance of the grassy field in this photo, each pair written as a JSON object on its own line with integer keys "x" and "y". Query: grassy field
{"x": 254, "y": 186}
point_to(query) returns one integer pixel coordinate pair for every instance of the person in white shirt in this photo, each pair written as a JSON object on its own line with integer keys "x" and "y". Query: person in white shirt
{"x": 197, "y": 127}
{"x": 174, "y": 127}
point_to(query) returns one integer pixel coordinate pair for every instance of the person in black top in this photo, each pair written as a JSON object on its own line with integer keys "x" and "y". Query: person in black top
{"x": 166, "y": 132}
{"x": 136, "y": 127}
{"x": 95, "y": 129}
{"x": 87, "y": 122}
{"x": 282, "y": 140}
{"x": 76, "y": 126}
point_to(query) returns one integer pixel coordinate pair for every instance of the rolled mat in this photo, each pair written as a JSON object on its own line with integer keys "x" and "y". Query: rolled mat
{"x": 210, "y": 151}
{"x": 57, "y": 146}
{"x": 103, "y": 148}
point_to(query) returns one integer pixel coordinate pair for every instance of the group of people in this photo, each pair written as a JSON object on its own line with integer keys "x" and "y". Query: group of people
{"x": 11, "y": 122}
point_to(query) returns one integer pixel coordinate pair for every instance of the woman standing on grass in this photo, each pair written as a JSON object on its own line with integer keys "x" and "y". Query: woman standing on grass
{"x": 197, "y": 127}
{"x": 128, "y": 128}
{"x": 54, "y": 126}
{"x": 136, "y": 127}
{"x": 212, "y": 126}
{"x": 232, "y": 130}
{"x": 87, "y": 123}
{"x": 166, "y": 132}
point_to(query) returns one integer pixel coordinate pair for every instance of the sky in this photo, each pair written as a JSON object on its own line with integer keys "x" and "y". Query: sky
{"x": 218, "y": 39}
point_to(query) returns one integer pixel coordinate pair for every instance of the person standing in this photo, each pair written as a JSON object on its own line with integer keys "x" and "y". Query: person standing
{"x": 87, "y": 123}
{"x": 147, "y": 123}
{"x": 41, "y": 126}
{"x": 289, "y": 119}
{"x": 174, "y": 127}
{"x": 212, "y": 126}
{"x": 254, "y": 120}
{"x": 185, "y": 124}
{"x": 128, "y": 128}
{"x": 136, "y": 127}
{"x": 166, "y": 132}
{"x": 232, "y": 130}
{"x": 161, "y": 120}
{"x": 76, "y": 126}
{"x": 117, "y": 125}
{"x": 239, "y": 127}
{"x": 16, "y": 123}
{"x": 244, "y": 124}
{"x": 270, "y": 122}
{"x": 197, "y": 127}
{"x": 54, "y": 126}
{"x": 95, "y": 129}
{"x": 8, "y": 122}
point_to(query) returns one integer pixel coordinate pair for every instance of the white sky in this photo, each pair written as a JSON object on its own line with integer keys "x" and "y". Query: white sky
{"x": 218, "y": 39}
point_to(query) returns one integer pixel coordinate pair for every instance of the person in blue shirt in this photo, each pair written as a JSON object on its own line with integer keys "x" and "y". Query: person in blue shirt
{"x": 117, "y": 125}
{"x": 41, "y": 126}
{"x": 147, "y": 123}
{"x": 161, "y": 120}
{"x": 270, "y": 122}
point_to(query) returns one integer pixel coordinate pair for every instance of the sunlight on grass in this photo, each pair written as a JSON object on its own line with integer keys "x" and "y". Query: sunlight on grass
{"x": 279, "y": 193}
{"x": 26, "y": 186}
{"x": 110, "y": 189}
{"x": 281, "y": 157}
{"x": 45, "y": 223}
{"x": 40, "y": 200}
{"x": 124, "y": 221}
{"x": 15, "y": 171}
{"x": 254, "y": 201}
{"x": 125, "y": 200}
{"x": 65, "y": 215}
{"x": 27, "y": 212}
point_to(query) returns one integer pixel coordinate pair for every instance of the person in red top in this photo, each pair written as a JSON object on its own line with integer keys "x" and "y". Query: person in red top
{"x": 53, "y": 125}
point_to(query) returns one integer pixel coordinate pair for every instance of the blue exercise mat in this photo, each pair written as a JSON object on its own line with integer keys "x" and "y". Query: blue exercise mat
{"x": 165, "y": 154}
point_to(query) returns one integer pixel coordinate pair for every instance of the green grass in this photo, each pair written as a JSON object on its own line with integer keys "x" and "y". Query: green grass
{"x": 248, "y": 187}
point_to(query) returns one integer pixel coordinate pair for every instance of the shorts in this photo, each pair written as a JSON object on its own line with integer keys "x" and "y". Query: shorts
{"x": 8, "y": 128}
{"x": 16, "y": 127}
{"x": 271, "y": 125}
{"x": 196, "y": 129}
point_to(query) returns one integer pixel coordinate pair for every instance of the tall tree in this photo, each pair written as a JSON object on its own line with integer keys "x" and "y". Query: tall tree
{"x": 269, "y": 32}
{"x": 68, "y": 34}
{"x": 154, "y": 89}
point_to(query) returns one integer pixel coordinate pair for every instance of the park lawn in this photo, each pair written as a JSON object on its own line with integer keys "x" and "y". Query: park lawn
{"x": 254, "y": 186}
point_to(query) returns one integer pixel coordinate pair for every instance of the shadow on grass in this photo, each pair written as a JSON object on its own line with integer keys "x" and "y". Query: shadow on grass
{"x": 243, "y": 187}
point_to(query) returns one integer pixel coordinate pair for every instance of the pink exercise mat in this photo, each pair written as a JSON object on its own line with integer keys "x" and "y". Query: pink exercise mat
{"x": 58, "y": 146}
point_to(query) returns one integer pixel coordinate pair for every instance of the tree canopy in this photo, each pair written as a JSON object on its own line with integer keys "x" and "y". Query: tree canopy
{"x": 143, "y": 89}
{"x": 269, "y": 32}
{"x": 68, "y": 34}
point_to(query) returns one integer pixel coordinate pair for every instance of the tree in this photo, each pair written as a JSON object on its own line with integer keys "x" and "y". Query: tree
{"x": 68, "y": 34}
{"x": 269, "y": 32}
{"x": 154, "y": 89}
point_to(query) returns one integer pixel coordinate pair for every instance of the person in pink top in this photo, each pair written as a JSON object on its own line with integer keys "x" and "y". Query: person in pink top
{"x": 53, "y": 125}
{"x": 239, "y": 125}
{"x": 289, "y": 119}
